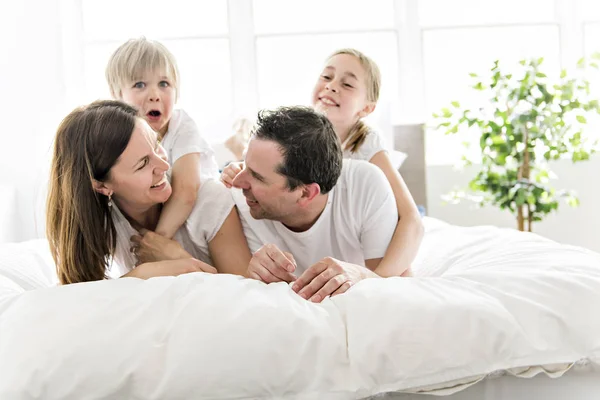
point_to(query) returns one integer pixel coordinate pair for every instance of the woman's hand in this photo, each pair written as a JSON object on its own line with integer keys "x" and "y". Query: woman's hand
{"x": 169, "y": 268}
{"x": 150, "y": 247}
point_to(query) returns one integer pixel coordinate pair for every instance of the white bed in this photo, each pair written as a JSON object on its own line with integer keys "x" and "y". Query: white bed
{"x": 491, "y": 314}
{"x": 581, "y": 382}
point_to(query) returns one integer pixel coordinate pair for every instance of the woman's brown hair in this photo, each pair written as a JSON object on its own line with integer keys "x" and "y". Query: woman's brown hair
{"x": 359, "y": 131}
{"x": 79, "y": 227}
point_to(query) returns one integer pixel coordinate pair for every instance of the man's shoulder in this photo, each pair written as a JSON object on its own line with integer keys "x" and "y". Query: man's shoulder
{"x": 360, "y": 172}
{"x": 360, "y": 186}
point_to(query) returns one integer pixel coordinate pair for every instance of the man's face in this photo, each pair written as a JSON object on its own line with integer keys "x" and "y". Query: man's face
{"x": 265, "y": 189}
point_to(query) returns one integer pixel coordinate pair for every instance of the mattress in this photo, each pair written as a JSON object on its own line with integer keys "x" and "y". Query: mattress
{"x": 581, "y": 382}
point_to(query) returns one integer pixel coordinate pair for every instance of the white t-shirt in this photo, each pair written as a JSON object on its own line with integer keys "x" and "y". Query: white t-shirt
{"x": 213, "y": 205}
{"x": 357, "y": 224}
{"x": 183, "y": 137}
{"x": 372, "y": 145}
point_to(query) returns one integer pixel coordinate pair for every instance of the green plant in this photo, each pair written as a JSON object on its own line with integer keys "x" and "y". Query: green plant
{"x": 528, "y": 121}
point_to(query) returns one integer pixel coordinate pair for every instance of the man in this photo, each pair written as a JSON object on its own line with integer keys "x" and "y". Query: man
{"x": 310, "y": 217}
{"x": 304, "y": 210}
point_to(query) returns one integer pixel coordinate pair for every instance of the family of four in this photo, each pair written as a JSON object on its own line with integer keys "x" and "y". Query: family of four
{"x": 135, "y": 190}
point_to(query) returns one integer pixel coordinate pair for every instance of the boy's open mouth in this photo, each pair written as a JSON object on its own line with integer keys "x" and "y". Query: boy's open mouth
{"x": 153, "y": 114}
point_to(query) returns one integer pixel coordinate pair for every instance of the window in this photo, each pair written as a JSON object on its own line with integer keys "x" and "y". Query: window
{"x": 438, "y": 13}
{"x": 240, "y": 55}
{"x": 280, "y": 17}
{"x": 290, "y": 53}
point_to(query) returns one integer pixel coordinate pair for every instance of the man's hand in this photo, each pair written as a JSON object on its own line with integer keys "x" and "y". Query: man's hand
{"x": 150, "y": 246}
{"x": 269, "y": 264}
{"x": 329, "y": 277}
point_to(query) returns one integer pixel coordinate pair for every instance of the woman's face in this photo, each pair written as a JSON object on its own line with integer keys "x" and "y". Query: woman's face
{"x": 138, "y": 179}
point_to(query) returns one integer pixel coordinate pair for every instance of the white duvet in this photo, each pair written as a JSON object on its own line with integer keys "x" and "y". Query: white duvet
{"x": 484, "y": 300}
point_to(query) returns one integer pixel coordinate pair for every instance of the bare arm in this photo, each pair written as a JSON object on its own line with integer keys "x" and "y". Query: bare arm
{"x": 185, "y": 183}
{"x": 169, "y": 268}
{"x": 409, "y": 231}
{"x": 229, "y": 248}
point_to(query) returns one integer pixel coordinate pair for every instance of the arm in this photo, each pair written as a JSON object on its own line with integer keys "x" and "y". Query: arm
{"x": 169, "y": 268}
{"x": 229, "y": 248}
{"x": 185, "y": 183}
{"x": 409, "y": 231}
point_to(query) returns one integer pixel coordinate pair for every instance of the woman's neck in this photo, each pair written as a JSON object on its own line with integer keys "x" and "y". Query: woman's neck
{"x": 146, "y": 218}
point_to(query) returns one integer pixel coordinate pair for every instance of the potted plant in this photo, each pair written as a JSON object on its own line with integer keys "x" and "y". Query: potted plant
{"x": 529, "y": 121}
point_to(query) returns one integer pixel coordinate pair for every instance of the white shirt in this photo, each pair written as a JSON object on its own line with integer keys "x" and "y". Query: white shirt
{"x": 183, "y": 137}
{"x": 357, "y": 223}
{"x": 372, "y": 145}
{"x": 213, "y": 205}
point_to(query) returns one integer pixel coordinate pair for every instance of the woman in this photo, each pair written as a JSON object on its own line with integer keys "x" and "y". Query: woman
{"x": 108, "y": 175}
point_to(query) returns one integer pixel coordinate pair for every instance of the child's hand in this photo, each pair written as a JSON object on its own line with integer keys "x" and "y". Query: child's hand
{"x": 230, "y": 172}
{"x": 150, "y": 246}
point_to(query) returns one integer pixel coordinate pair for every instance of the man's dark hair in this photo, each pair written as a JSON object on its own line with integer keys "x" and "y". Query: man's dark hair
{"x": 311, "y": 150}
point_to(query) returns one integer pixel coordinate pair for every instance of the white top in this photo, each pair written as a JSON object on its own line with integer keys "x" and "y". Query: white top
{"x": 213, "y": 205}
{"x": 183, "y": 137}
{"x": 372, "y": 145}
{"x": 357, "y": 224}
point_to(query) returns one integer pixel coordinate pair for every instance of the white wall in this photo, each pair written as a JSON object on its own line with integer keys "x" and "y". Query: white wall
{"x": 579, "y": 226}
{"x": 32, "y": 100}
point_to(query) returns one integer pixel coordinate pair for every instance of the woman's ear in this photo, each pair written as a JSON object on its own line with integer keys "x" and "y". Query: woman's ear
{"x": 369, "y": 108}
{"x": 101, "y": 188}
{"x": 309, "y": 192}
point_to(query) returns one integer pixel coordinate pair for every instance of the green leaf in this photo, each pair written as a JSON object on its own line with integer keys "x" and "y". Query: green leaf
{"x": 446, "y": 112}
{"x": 563, "y": 73}
{"x": 540, "y": 75}
{"x": 435, "y": 115}
{"x": 573, "y": 201}
{"x": 581, "y": 119}
{"x": 522, "y": 62}
{"x": 456, "y": 104}
{"x": 473, "y": 74}
{"x": 596, "y": 56}
{"x": 478, "y": 86}
{"x": 520, "y": 199}
{"x": 581, "y": 63}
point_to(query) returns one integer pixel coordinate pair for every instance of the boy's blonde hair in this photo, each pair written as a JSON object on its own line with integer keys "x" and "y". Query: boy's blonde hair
{"x": 359, "y": 131}
{"x": 134, "y": 58}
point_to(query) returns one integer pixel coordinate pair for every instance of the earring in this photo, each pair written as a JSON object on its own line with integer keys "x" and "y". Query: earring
{"x": 110, "y": 200}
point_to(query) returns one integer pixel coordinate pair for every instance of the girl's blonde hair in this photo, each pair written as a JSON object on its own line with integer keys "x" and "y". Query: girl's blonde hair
{"x": 359, "y": 131}
{"x": 79, "y": 226}
{"x": 136, "y": 57}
